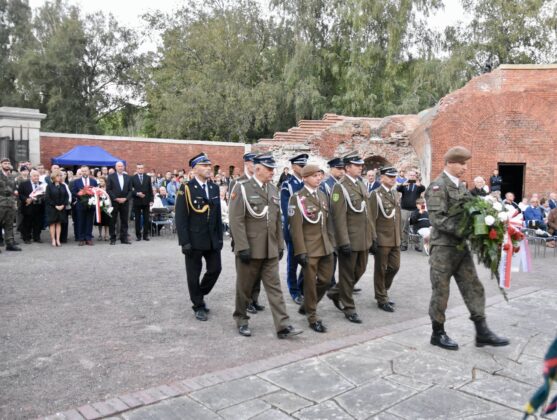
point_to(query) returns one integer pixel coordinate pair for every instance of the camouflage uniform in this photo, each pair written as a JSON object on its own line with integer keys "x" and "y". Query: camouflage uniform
{"x": 8, "y": 207}
{"x": 449, "y": 254}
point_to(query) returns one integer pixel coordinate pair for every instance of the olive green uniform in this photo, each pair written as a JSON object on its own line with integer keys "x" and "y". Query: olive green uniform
{"x": 8, "y": 209}
{"x": 386, "y": 215}
{"x": 262, "y": 235}
{"x": 449, "y": 253}
{"x": 311, "y": 235}
{"x": 355, "y": 228}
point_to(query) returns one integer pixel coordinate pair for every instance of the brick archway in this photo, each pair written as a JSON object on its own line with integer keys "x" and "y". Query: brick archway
{"x": 375, "y": 162}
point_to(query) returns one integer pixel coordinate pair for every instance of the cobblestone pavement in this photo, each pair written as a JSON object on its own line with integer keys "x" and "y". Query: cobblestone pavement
{"x": 108, "y": 331}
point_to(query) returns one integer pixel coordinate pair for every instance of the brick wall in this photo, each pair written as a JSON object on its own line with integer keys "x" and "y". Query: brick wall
{"x": 156, "y": 154}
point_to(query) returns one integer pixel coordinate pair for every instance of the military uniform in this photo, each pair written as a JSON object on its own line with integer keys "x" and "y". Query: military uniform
{"x": 8, "y": 208}
{"x": 311, "y": 236}
{"x": 256, "y": 227}
{"x": 354, "y": 232}
{"x": 385, "y": 210}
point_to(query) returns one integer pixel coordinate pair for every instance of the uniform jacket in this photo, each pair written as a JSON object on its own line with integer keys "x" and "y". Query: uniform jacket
{"x": 202, "y": 230}
{"x": 315, "y": 240}
{"x": 287, "y": 190}
{"x": 142, "y": 187}
{"x": 352, "y": 228}
{"x": 7, "y": 189}
{"x": 387, "y": 230}
{"x": 441, "y": 196}
{"x": 262, "y": 236}
{"x": 233, "y": 183}
{"x": 113, "y": 187}
{"x": 77, "y": 186}
{"x": 327, "y": 186}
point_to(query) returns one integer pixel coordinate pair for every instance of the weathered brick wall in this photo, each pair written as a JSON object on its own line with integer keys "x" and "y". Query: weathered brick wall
{"x": 156, "y": 154}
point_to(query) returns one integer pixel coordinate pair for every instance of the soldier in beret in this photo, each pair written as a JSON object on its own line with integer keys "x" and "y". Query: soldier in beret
{"x": 450, "y": 255}
{"x": 313, "y": 242}
{"x": 8, "y": 207}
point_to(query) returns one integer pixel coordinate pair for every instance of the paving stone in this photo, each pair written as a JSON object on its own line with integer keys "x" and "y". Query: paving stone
{"x": 407, "y": 381}
{"x": 441, "y": 403}
{"x": 272, "y": 414}
{"x": 286, "y": 401}
{"x": 182, "y": 408}
{"x": 538, "y": 345}
{"x": 311, "y": 379}
{"x": 386, "y": 416}
{"x": 372, "y": 398}
{"x": 502, "y": 390}
{"x": 379, "y": 349}
{"x": 245, "y": 410}
{"x": 528, "y": 369}
{"x": 323, "y": 411}
{"x": 224, "y": 395}
{"x": 357, "y": 368}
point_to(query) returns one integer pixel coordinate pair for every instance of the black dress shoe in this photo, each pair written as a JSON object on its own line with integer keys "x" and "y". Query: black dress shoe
{"x": 356, "y": 290}
{"x": 289, "y": 331}
{"x": 441, "y": 339}
{"x": 258, "y": 306}
{"x": 317, "y": 326}
{"x": 251, "y": 309}
{"x": 302, "y": 310}
{"x": 386, "y": 307}
{"x": 126, "y": 242}
{"x": 201, "y": 315}
{"x": 146, "y": 238}
{"x": 336, "y": 302}
{"x": 112, "y": 242}
{"x": 138, "y": 238}
{"x": 298, "y": 300}
{"x": 353, "y": 318}
{"x": 27, "y": 242}
{"x": 245, "y": 331}
{"x": 12, "y": 247}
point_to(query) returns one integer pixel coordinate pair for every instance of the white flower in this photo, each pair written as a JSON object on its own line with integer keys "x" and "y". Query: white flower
{"x": 503, "y": 216}
{"x": 109, "y": 210}
{"x": 489, "y": 220}
{"x": 92, "y": 201}
{"x": 497, "y": 206}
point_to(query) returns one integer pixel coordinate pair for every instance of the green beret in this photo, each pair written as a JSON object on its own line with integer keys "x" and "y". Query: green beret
{"x": 457, "y": 154}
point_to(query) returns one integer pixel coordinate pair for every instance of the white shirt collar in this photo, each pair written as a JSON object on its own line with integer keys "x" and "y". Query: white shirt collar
{"x": 453, "y": 178}
{"x": 311, "y": 190}
{"x": 247, "y": 174}
{"x": 351, "y": 179}
{"x": 386, "y": 188}
{"x": 258, "y": 182}
{"x": 200, "y": 182}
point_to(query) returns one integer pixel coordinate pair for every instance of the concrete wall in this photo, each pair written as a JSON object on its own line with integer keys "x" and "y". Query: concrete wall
{"x": 23, "y": 123}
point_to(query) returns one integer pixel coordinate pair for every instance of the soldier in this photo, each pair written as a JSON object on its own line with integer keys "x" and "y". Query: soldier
{"x": 385, "y": 211}
{"x": 292, "y": 184}
{"x": 354, "y": 233}
{"x": 200, "y": 232}
{"x": 8, "y": 207}
{"x": 450, "y": 255}
{"x": 313, "y": 242}
{"x": 257, "y": 230}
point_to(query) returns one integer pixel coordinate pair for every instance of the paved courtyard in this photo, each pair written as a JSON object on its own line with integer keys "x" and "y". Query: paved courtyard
{"x": 90, "y": 332}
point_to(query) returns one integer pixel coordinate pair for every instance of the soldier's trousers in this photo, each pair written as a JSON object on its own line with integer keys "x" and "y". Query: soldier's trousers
{"x": 246, "y": 275}
{"x": 387, "y": 263}
{"x": 350, "y": 269}
{"x": 446, "y": 262}
{"x": 199, "y": 289}
{"x": 7, "y": 217}
{"x": 317, "y": 277}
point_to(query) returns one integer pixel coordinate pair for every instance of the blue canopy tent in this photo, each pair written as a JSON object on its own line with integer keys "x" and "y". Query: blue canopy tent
{"x": 87, "y": 155}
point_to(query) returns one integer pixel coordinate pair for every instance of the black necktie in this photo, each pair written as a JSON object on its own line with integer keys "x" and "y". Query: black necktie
{"x": 141, "y": 178}
{"x": 204, "y": 186}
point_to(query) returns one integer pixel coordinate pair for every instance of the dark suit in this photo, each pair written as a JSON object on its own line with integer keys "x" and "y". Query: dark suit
{"x": 84, "y": 214}
{"x": 114, "y": 190}
{"x": 33, "y": 214}
{"x": 141, "y": 205}
{"x": 199, "y": 224}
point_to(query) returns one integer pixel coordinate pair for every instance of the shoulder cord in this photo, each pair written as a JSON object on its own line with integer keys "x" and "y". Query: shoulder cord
{"x": 204, "y": 209}
{"x": 347, "y": 198}
{"x": 302, "y": 210}
{"x": 380, "y": 203}
{"x": 252, "y": 212}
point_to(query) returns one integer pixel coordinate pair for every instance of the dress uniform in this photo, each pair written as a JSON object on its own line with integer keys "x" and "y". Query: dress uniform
{"x": 292, "y": 185}
{"x": 8, "y": 211}
{"x": 200, "y": 233}
{"x": 255, "y": 223}
{"x": 450, "y": 255}
{"x": 354, "y": 232}
{"x": 385, "y": 211}
{"x": 313, "y": 245}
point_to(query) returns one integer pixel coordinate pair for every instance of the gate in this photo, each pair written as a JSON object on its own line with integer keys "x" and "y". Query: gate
{"x": 16, "y": 147}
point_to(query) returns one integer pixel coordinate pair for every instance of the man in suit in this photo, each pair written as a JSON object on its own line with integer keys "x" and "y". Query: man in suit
{"x": 313, "y": 241}
{"x": 371, "y": 182}
{"x": 292, "y": 185}
{"x": 256, "y": 226}
{"x": 386, "y": 215}
{"x": 142, "y": 201}
{"x": 31, "y": 208}
{"x": 84, "y": 213}
{"x": 74, "y": 202}
{"x": 119, "y": 189}
{"x": 552, "y": 200}
{"x": 354, "y": 232}
{"x": 200, "y": 232}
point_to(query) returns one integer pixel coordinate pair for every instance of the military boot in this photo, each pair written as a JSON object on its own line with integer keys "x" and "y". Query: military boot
{"x": 12, "y": 247}
{"x": 440, "y": 338}
{"x": 486, "y": 337}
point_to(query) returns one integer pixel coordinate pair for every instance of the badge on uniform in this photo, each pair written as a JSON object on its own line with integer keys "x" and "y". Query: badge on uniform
{"x": 291, "y": 210}
{"x": 436, "y": 188}
{"x": 336, "y": 197}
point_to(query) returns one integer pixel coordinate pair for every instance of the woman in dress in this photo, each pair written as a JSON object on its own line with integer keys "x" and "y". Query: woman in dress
{"x": 105, "y": 218}
{"x": 56, "y": 198}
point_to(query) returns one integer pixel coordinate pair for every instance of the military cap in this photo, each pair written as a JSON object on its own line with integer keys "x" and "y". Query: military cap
{"x": 300, "y": 160}
{"x": 200, "y": 158}
{"x": 457, "y": 154}
{"x": 353, "y": 158}
{"x": 388, "y": 171}
{"x": 5, "y": 159}
{"x": 248, "y": 157}
{"x": 265, "y": 159}
{"x": 336, "y": 163}
{"x": 309, "y": 170}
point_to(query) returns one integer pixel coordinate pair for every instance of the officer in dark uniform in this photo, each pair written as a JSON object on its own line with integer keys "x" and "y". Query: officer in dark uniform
{"x": 293, "y": 184}
{"x": 8, "y": 209}
{"x": 200, "y": 232}
{"x": 450, "y": 255}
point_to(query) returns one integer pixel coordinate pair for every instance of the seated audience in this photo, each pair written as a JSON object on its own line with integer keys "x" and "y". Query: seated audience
{"x": 419, "y": 221}
{"x": 534, "y": 215}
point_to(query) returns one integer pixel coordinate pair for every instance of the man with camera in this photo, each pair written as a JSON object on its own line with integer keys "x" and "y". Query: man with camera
{"x": 411, "y": 190}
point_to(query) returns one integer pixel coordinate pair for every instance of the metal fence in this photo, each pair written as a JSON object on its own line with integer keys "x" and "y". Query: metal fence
{"x": 16, "y": 146}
